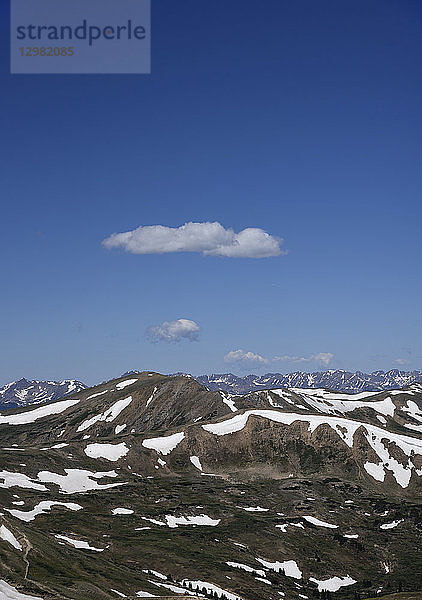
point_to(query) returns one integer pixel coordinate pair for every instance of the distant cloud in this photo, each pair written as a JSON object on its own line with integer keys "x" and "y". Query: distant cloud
{"x": 402, "y": 361}
{"x": 209, "y": 238}
{"x": 174, "y": 331}
{"x": 323, "y": 357}
{"x": 239, "y": 356}
{"x": 250, "y": 358}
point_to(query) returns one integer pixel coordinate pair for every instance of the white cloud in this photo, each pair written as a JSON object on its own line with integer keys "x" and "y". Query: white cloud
{"x": 174, "y": 331}
{"x": 209, "y": 238}
{"x": 242, "y": 357}
{"x": 239, "y": 356}
{"x": 402, "y": 361}
{"x": 322, "y": 357}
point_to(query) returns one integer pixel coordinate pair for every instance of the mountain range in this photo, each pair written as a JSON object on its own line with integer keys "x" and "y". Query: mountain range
{"x": 151, "y": 485}
{"x": 25, "y": 392}
{"x": 344, "y": 381}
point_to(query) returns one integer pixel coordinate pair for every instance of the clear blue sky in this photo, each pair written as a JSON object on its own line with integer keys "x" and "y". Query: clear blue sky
{"x": 299, "y": 118}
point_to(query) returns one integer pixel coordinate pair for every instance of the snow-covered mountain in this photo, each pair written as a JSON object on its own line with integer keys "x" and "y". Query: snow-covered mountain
{"x": 148, "y": 485}
{"x": 343, "y": 381}
{"x": 24, "y": 392}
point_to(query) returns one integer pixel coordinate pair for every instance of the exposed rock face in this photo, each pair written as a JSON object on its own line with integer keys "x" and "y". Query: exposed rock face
{"x": 154, "y": 484}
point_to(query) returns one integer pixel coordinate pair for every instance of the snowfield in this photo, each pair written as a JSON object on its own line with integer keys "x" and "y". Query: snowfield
{"x": 78, "y": 480}
{"x": 30, "y": 416}
{"x": 7, "y": 536}
{"x": 110, "y": 452}
{"x": 164, "y": 445}
{"x": 40, "y": 508}
{"x": 108, "y": 415}
{"x": 80, "y": 544}
{"x": 8, "y": 592}
{"x": 123, "y": 384}
{"x": 289, "y": 567}
{"x": 333, "y": 584}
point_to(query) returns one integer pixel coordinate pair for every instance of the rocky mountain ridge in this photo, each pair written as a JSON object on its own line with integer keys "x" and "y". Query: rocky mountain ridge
{"x": 342, "y": 381}
{"x": 148, "y": 485}
{"x": 24, "y": 392}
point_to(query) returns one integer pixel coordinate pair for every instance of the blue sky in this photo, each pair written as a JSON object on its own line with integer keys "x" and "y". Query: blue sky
{"x": 302, "y": 119}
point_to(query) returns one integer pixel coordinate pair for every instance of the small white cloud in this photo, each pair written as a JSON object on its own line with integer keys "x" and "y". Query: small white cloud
{"x": 208, "y": 238}
{"x": 402, "y": 361}
{"x": 287, "y": 358}
{"x": 240, "y": 356}
{"x": 323, "y": 357}
{"x": 174, "y": 331}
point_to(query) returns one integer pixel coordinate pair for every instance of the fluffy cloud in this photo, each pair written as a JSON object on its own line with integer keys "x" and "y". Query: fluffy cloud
{"x": 209, "y": 238}
{"x": 174, "y": 331}
{"x": 250, "y": 358}
{"x": 239, "y": 356}
{"x": 324, "y": 358}
{"x": 402, "y": 361}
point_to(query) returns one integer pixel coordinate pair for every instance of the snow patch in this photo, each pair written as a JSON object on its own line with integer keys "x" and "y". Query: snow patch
{"x": 80, "y": 544}
{"x": 7, "y": 536}
{"x": 41, "y": 507}
{"x": 78, "y": 480}
{"x": 289, "y": 567}
{"x": 196, "y": 462}
{"x": 165, "y": 444}
{"x": 333, "y": 584}
{"x": 110, "y": 452}
{"x": 319, "y": 523}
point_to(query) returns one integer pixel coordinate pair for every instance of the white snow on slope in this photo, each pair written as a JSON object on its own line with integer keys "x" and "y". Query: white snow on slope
{"x": 33, "y": 415}
{"x": 7, "y": 536}
{"x": 196, "y": 462}
{"x": 345, "y": 429}
{"x": 375, "y": 470}
{"x": 227, "y": 401}
{"x": 413, "y": 410}
{"x": 173, "y": 522}
{"x": 198, "y": 520}
{"x": 173, "y": 588}
{"x": 319, "y": 523}
{"x": 19, "y": 480}
{"x": 110, "y": 452}
{"x": 80, "y": 544}
{"x": 391, "y": 525}
{"x": 165, "y": 444}
{"x": 337, "y": 402}
{"x": 78, "y": 480}
{"x": 254, "y": 509}
{"x": 123, "y": 384}
{"x": 41, "y": 507}
{"x": 246, "y": 568}
{"x": 122, "y": 511}
{"x": 97, "y": 394}
{"x": 108, "y": 415}
{"x": 8, "y": 592}
{"x": 333, "y": 584}
{"x": 289, "y": 567}
{"x": 210, "y": 587}
{"x": 151, "y": 398}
